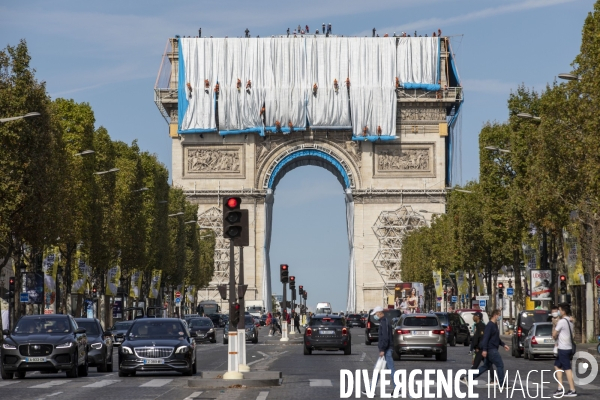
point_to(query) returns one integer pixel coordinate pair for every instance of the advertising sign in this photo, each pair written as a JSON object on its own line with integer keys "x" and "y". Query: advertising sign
{"x": 541, "y": 284}
{"x": 118, "y": 308}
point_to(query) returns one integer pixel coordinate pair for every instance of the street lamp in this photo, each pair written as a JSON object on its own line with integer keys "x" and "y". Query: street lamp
{"x": 84, "y": 153}
{"x": 528, "y": 116}
{"x": 492, "y": 148}
{"x": 31, "y": 114}
{"x": 107, "y": 172}
{"x": 463, "y": 191}
{"x": 162, "y": 202}
{"x": 190, "y": 222}
{"x": 140, "y": 190}
{"x": 569, "y": 77}
{"x": 176, "y": 214}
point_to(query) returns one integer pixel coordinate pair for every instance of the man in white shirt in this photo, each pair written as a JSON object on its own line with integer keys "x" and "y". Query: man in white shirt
{"x": 563, "y": 333}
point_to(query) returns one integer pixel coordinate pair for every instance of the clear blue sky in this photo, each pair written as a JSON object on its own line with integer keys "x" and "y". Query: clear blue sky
{"x": 108, "y": 53}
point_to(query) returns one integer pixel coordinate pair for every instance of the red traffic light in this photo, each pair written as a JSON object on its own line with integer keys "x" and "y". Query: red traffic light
{"x": 12, "y": 281}
{"x": 284, "y": 266}
{"x": 301, "y": 287}
{"x": 563, "y": 278}
{"x": 233, "y": 202}
{"x": 237, "y": 306}
{"x": 501, "y": 285}
{"x": 292, "y": 278}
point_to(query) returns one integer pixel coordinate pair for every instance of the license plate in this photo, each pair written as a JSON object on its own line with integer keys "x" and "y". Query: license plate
{"x": 327, "y": 332}
{"x": 421, "y": 333}
{"x": 548, "y": 340}
{"x": 35, "y": 359}
{"x": 154, "y": 361}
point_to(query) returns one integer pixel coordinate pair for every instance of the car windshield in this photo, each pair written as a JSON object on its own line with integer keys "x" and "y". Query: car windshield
{"x": 528, "y": 318}
{"x": 317, "y": 321}
{"x": 196, "y": 323}
{"x": 42, "y": 325}
{"x": 249, "y": 320}
{"x": 420, "y": 321}
{"x": 91, "y": 327}
{"x": 146, "y": 329}
{"x": 353, "y": 316}
{"x": 543, "y": 330}
{"x": 122, "y": 326}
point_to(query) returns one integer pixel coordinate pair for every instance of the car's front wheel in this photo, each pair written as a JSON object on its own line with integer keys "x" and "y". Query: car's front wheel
{"x": 443, "y": 356}
{"x": 6, "y": 375}
{"x": 21, "y": 374}
{"x": 123, "y": 374}
{"x": 103, "y": 366}
{"x": 84, "y": 368}
{"x": 307, "y": 351}
{"x": 73, "y": 372}
{"x": 109, "y": 366}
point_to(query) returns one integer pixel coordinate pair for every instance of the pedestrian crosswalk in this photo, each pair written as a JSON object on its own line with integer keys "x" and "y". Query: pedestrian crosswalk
{"x": 31, "y": 384}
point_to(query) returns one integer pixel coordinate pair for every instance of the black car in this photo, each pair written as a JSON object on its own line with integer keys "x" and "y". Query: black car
{"x": 457, "y": 330}
{"x": 157, "y": 344}
{"x": 100, "y": 344}
{"x": 119, "y": 330}
{"x": 251, "y": 330}
{"x": 204, "y": 329}
{"x": 372, "y": 327}
{"x": 355, "y": 320}
{"x": 327, "y": 332}
{"x": 47, "y": 343}
{"x": 217, "y": 320}
{"x": 525, "y": 321}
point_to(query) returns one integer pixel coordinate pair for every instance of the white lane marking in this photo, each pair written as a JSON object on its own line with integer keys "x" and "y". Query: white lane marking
{"x": 54, "y": 394}
{"x": 362, "y": 357}
{"x": 6, "y": 383}
{"x": 262, "y": 396}
{"x": 157, "y": 383}
{"x": 48, "y": 384}
{"x": 102, "y": 383}
{"x": 320, "y": 382}
{"x": 193, "y": 396}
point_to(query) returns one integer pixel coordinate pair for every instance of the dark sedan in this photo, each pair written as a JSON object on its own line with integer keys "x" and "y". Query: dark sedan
{"x": 157, "y": 344}
{"x": 355, "y": 320}
{"x": 47, "y": 343}
{"x": 251, "y": 330}
{"x": 203, "y": 328}
{"x": 217, "y": 320}
{"x": 327, "y": 332}
{"x": 119, "y": 330}
{"x": 100, "y": 344}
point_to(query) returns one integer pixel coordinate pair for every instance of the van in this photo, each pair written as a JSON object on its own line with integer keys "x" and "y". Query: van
{"x": 323, "y": 308}
{"x": 467, "y": 315}
{"x": 525, "y": 321}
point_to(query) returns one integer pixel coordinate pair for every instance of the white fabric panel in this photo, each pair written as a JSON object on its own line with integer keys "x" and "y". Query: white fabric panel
{"x": 286, "y": 97}
{"x": 351, "y": 304}
{"x": 266, "y": 284}
{"x": 200, "y": 61}
{"x": 372, "y": 85}
{"x": 327, "y": 59}
{"x": 240, "y": 109}
{"x": 417, "y": 60}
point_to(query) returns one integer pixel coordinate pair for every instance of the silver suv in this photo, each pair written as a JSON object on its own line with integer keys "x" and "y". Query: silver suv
{"x": 420, "y": 334}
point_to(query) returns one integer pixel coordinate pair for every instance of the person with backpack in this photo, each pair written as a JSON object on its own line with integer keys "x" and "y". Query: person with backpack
{"x": 563, "y": 334}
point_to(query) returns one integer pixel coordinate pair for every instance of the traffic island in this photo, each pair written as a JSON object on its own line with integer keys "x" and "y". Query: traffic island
{"x": 214, "y": 379}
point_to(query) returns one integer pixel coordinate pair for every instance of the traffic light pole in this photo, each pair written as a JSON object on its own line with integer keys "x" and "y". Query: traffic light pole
{"x": 232, "y": 342}
{"x": 241, "y": 328}
{"x": 284, "y": 327}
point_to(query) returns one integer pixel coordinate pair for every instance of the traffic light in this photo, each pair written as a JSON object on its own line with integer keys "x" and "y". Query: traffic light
{"x": 284, "y": 271}
{"x": 94, "y": 292}
{"x": 500, "y": 290}
{"x": 301, "y": 290}
{"x": 292, "y": 282}
{"x": 563, "y": 284}
{"x": 235, "y": 221}
{"x": 305, "y": 295}
{"x": 235, "y": 314}
{"x": 11, "y": 288}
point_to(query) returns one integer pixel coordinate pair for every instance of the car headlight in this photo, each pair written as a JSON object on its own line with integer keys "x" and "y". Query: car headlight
{"x": 211, "y": 330}
{"x": 126, "y": 350}
{"x": 9, "y": 346}
{"x": 65, "y": 345}
{"x": 181, "y": 349}
{"x": 96, "y": 346}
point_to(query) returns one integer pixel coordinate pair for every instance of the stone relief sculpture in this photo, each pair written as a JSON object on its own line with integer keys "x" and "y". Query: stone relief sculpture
{"x": 213, "y": 160}
{"x": 353, "y": 148}
{"x": 403, "y": 160}
{"x": 422, "y": 114}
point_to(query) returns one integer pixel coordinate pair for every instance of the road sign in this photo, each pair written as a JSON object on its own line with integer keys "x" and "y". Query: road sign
{"x": 178, "y": 300}
{"x": 24, "y": 298}
{"x": 598, "y": 280}
{"x": 510, "y": 291}
{"x": 439, "y": 298}
{"x": 482, "y": 297}
{"x": 178, "y": 295}
{"x": 482, "y": 303}
{"x": 454, "y": 299}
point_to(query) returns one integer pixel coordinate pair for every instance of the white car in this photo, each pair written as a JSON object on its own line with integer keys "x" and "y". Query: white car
{"x": 468, "y": 317}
